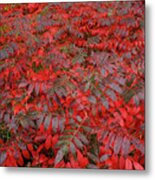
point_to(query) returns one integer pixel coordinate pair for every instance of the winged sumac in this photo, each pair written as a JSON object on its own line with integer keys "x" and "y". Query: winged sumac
{"x": 72, "y": 85}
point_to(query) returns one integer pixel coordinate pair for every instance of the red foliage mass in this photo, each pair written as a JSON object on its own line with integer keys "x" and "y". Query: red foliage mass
{"x": 72, "y": 85}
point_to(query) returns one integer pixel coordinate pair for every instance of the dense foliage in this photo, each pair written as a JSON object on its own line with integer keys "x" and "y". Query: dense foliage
{"x": 72, "y": 85}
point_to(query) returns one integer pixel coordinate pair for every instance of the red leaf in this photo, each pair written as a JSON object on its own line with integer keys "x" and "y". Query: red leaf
{"x": 20, "y": 161}
{"x": 123, "y": 113}
{"x": 121, "y": 162}
{"x": 26, "y": 154}
{"x": 137, "y": 166}
{"x": 40, "y": 138}
{"x": 42, "y": 158}
{"x": 128, "y": 164}
{"x": 1, "y": 141}
{"x": 48, "y": 142}
{"x": 30, "y": 147}
{"x": 17, "y": 108}
{"x": 83, "y": 161}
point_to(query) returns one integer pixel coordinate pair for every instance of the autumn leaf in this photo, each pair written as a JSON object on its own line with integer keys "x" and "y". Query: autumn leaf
{"x": 48, "y": 142}
{"x": 128, "y": 164}
{"x": 137, "y": 166}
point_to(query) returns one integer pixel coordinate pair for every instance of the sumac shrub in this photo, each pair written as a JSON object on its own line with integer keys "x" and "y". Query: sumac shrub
{"x": 72, "y": 85}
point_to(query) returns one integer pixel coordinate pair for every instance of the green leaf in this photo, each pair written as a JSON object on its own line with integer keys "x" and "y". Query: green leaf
{"x": 92, "y": 99}
{"x": 78, "y": 143}
{"x": 87, "y": 86}
{"x": 37, "y": 88}
{"x": 105, "y": 102}
{"x": 104, "y": 157}
{"x": 47, "y": 121}
{"x": 3, "y": 156}
{"x": 60, "y": 154}
{"x": 72, "y": 148}
{"x": 83, "y": 138}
